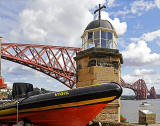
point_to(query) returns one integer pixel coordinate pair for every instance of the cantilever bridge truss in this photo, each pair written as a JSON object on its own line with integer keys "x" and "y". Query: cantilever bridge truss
{"x": 58, "y": 62}
{"x": 55, "y": 61}
{"x": 140, "y": 89}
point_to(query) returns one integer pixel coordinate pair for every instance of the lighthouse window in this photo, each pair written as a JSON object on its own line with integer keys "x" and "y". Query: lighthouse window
{"x": 91, "y": 44}
{"x": 85, "y": 42}
{"x": 103, "y": 43}
{"x": 90, "y": 40}
{"x": 97, "y": 43}
{"x": 104, "y": 35}
{"x": 97, "y": 38}
{"x": 90, "y": 34}
{"x": 103, "y": 39}
{"x": 97, "y": 35}
{"x": 106, "y": 38}
{"x": 110, "y": 36}
{"x": 109, "y": 44}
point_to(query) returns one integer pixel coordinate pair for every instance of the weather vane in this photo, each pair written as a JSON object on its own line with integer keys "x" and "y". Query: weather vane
{"x": 99, "y": 10}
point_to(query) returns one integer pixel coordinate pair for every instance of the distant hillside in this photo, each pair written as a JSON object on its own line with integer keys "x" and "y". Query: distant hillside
{"x": 133, "y": 97}
{"x": 158, "y": 96}
{"x": 128, "y": 97}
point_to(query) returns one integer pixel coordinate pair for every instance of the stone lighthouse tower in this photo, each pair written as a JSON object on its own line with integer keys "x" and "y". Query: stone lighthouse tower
{"x": 100, "y": 61}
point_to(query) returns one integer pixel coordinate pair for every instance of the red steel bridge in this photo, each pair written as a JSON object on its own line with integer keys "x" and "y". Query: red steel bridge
{"x": 58, "y": 63}
{"x": 140, "y": 89}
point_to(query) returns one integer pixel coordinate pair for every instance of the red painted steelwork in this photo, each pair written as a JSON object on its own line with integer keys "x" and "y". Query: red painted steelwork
{"x": 58, "y": 62}
{"x": 2, "y": 84}
{"x": 55, "y": 61}
{"x": 153, "y": 93}
{"x": 140, "y": 89}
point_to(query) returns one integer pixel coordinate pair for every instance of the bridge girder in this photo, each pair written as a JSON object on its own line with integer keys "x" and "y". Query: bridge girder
{"x": 55, "y": 61}
{"x": 140, "y": 89}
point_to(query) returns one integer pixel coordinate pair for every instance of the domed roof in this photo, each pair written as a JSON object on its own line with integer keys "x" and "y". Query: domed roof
{"x": 103, "y": 23}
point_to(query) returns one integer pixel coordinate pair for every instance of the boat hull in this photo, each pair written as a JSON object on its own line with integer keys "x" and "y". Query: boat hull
{"x": 76, "y": 116}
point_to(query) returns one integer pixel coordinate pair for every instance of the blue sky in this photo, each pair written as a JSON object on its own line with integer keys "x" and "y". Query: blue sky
{"x": 55, "y": 23}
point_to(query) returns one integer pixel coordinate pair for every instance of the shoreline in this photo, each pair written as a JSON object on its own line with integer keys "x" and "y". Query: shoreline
{"x": 107, "y": 123}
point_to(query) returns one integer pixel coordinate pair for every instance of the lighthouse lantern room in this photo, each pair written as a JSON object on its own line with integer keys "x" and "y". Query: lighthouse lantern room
{"x": 100, "y": 34}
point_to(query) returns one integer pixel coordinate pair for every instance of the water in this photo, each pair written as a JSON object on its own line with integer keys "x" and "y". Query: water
{"x": 129, "y": 109}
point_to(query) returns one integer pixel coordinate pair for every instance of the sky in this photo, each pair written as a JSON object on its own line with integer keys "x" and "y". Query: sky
{"x": 62, "y": 22}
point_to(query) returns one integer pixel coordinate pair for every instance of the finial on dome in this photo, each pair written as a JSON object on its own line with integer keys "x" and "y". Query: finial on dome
{"x": 99, "y": 10}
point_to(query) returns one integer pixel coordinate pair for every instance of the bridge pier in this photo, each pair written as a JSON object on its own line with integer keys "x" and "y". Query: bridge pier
{"x": 141, "y": 95}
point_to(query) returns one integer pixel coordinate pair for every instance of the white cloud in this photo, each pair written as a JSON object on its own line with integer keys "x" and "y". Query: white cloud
{"x": 142, "y": 72}
{"x": 139, "y": 54}
{"x": 128, "y": 78}
{"x": 19, "y": 70}
{"x": 140, "y": 5}
{"x": 157, "y": 2}
{"x": 120, "y": 27}
{"x": 137, "y": 74}
{"x": 9, "y": 85}
{"x": 158, "y": 43}
{"x": 121, "y": 12}
{"x": 12, "y": 72}
{"x": 110, "y": 3}
{"x": 56, "y": 21}
{"x": 151, "y": 36}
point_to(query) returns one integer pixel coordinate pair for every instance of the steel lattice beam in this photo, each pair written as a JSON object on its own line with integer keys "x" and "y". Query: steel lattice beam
{"x": 55, "y": 61}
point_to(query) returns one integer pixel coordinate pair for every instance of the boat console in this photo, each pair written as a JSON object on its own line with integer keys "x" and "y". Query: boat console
{"x": 20, "y": 90}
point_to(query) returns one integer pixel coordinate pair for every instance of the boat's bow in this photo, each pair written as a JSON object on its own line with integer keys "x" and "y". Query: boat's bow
{"x": 75, "y": 106}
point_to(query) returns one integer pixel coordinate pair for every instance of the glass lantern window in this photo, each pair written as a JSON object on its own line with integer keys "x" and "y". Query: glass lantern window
{"x": 90, "y": 40}
{"x": 97, "y": 43}
{"x": 110, "y": 36}
{"x": 90, "y": 35}
{"x": 103, "y": 43}
{"x": 103, "y": 35}
{"x": 97, "y": 39}
{"x": 96, "y": 34}
{"x": 109, "y": 44}
{"x": 106, "y": 35}
{"x": 85, "y": 42}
